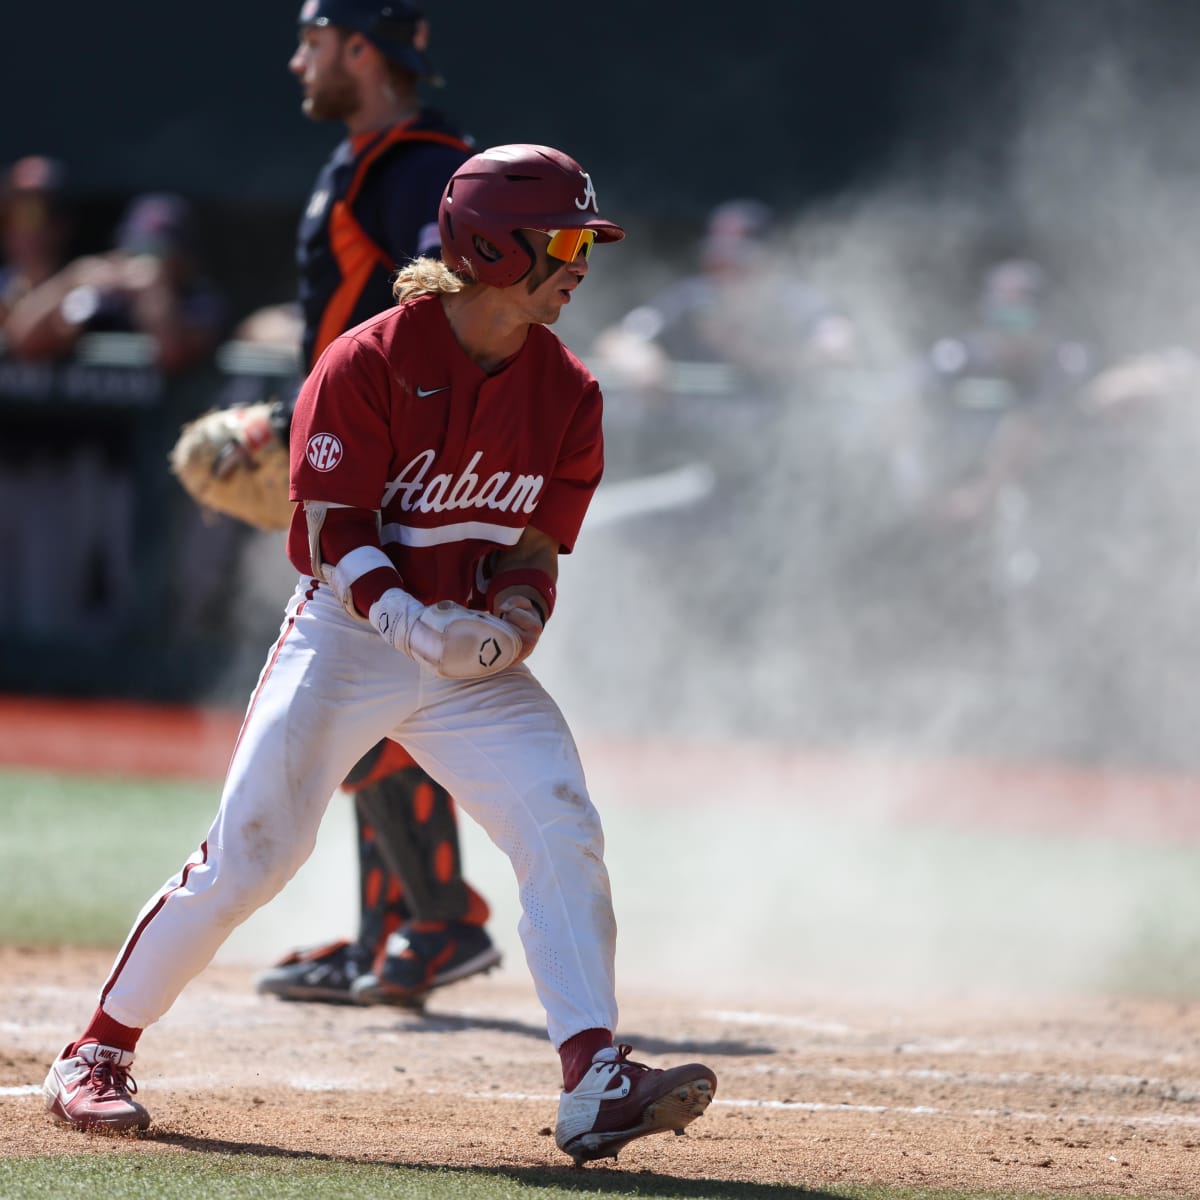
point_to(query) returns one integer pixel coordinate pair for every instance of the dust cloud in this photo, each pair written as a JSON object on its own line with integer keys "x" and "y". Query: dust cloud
{"x": 804, "y": 604}
{"x": 757, "y": 576}
{"x": 796, "y": 600}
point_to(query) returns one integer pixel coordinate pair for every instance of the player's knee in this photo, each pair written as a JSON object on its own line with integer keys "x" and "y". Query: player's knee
{"x": 578, "y": 817}
{"x": 257, "y": 862}
{"x": 574, "y": 838}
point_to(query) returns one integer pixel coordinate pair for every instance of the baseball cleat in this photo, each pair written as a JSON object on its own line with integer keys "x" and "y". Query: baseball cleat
{"x": 90, "y": 1087}
{"x": 619, "y": 1100}
{"x": 420, "y": 960}
{"x": 324, "y": 974}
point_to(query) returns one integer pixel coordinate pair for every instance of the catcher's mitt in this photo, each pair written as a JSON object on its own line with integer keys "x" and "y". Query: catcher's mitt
{"x": 232, "y": 461}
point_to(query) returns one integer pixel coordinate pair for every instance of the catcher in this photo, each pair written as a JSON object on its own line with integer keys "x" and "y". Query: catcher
{"x": 373, "y": 208}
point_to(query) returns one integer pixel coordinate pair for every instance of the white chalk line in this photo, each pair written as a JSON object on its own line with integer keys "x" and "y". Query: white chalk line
{"x": 1183, "y": 1091}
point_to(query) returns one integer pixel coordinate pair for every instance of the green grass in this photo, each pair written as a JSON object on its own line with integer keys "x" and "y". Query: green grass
{"x": 124, "y": 837}
{"x": 193, "y": 1175}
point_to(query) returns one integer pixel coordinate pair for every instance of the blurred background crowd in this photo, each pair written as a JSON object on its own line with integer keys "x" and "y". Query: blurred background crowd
{"x": 904, "y": 462}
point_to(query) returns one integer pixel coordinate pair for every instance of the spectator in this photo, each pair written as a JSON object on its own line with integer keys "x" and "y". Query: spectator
{"x": 724, "y": 395}
{"x": 981, "y": 412}
{"x": 152, "y": 282}
{"x": 704, "y": 370}
{"x": 744, "y": 307}
{"x": 65, "y": 499}
{"x": 35, "y": 227}
{"x": 983, "y": 392}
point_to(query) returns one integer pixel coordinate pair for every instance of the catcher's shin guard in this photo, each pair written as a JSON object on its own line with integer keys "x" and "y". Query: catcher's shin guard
{"x": 416, "y": 833}
{"x": 383, "y": 906}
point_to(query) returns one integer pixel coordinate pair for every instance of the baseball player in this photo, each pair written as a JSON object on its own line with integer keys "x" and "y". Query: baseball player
{"x": 373, "y": 208}
{"x": 443, "y": 455}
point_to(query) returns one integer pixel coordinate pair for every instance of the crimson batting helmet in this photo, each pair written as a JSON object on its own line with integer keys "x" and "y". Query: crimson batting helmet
{"x": 497, "y": 193}
{"x": 396, "y": 28}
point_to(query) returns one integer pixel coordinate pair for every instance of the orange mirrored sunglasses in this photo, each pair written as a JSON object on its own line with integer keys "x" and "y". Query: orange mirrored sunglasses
{"x": 568, "y": 244}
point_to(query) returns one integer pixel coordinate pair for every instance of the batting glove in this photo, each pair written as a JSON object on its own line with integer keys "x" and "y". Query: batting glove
{"x": 454, "y": 642}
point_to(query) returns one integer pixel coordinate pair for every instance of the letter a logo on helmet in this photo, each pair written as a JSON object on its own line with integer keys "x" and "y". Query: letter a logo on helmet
{"x": 498, "y": 193}
{"x": 588, "y": 199}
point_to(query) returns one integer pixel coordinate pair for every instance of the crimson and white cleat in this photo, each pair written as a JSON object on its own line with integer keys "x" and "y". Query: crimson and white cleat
{"x": 618, "y": 1101}
{"x": 90, "y": 1087}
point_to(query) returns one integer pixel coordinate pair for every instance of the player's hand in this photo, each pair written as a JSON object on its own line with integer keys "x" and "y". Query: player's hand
{"x": 454, "y": 642}
{"x": 104, "y": 272}
{"x": 393, "y": 615}
{"x": 522, "y": 613}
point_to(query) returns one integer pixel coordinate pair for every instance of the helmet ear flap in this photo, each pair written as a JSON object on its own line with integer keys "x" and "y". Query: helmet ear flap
{"x": 506, "y": 261}
{"x": 523, "y": 242}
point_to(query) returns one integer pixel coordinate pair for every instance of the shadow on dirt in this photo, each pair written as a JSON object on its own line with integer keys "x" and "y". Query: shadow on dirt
{"x": 416, "y": 1021}
{"x": 590, "y": 1180}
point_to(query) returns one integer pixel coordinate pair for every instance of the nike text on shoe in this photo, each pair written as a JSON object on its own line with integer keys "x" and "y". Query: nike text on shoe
{"x": 420, "y": 960}
{"x": 618, "y": 1101}
{"x": 323, "y": 974}
{"x": 91, "y": 1088}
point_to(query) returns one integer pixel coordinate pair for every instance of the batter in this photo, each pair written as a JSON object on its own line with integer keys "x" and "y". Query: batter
{"x": 443, "y": 455}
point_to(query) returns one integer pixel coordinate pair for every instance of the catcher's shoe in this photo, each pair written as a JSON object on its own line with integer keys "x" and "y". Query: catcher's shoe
{"x": 324, "y": 974}
{"x": 419, "y": 960}
{"x": 619, "y": 1100}
{"x": 90, "y": 1087}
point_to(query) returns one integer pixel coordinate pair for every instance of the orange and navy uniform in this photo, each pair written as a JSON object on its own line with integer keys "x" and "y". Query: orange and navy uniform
{"x": 373, "y": 208}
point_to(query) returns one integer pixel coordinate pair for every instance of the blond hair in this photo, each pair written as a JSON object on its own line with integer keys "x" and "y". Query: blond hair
{"x": 425, "y": 277}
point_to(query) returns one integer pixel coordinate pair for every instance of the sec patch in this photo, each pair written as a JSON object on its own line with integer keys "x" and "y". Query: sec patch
{"x": 324, "y": 451}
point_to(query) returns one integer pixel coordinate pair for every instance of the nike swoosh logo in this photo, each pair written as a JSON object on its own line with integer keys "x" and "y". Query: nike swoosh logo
{"x": 423, "y": 392}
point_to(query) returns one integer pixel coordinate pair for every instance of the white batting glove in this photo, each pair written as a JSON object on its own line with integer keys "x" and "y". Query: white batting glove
{"x": 454, "y": 642}
{"x": 393, "y": 615}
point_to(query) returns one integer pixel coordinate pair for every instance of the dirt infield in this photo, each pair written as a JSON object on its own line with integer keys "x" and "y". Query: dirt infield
{"x": 1076, "y": 1098}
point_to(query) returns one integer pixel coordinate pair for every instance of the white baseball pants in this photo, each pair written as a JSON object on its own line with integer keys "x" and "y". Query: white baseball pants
{"x": 331, "y": 688}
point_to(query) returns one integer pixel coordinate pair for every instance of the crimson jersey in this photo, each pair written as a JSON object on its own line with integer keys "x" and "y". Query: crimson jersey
{"x": 395, "y": 416}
